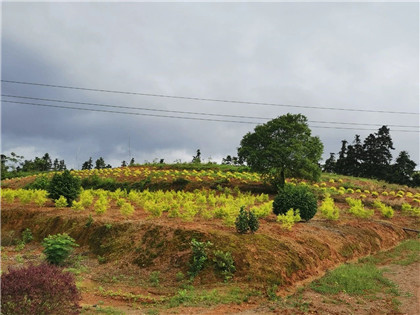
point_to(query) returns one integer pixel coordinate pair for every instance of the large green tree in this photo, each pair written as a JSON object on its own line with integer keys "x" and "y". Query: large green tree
{"x": 283, "y": 147}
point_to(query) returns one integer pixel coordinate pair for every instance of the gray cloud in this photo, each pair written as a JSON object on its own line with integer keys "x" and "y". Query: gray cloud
{"x": 339, "y": 55}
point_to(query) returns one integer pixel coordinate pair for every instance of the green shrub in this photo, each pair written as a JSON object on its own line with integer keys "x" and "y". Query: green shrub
{"x": 289, "y": 219}
{"x": 41, "y": 182}
{"x": 253, "y": 222}
{"x": 297, "y": 197}
{"x": 179, "y": 276}
{"x": 154, "y": 278}
{"x": 328, "y": 208}
{"x": 27, "y": 236}
{"x": 246, "y": 221}
{"x": 199, "y": 256}
{"x": 241, "y": 222}
{"x": 61, "y": 202}
{"x": 224, "y": 264}
{"x": 58, "y": 247}
{"x": 64, "y": 185}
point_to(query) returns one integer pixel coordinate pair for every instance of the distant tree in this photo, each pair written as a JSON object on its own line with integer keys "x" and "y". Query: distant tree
{"x": 403, "y": 169}
{"x": 108, "y": 166}
{"x": 162, "y": 161}
{"x": 56, "y": 164}
{"x": 100, "y": 163}
{"x": 197, "y": 157}
{"x": 132, "y": 162}
{"x": 227, "y": 160}
{"x": 340, "y": 165}
{"x": 123, "y": 164}
{"x": 377, "y": 154}
{"x": 282, "y": 147}
{"x": 46, "y": 163}
{"x": 88, "y": 165}
{"x": 62, "y": 166}
{"x": 329, "y": 165}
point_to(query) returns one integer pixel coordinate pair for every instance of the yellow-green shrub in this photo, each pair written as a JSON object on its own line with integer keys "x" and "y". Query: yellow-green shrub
{"x": 25, "y": 196}
{"x": 86, "y": 198}
{"x": 289, "y": 219}
{"x": 40, "y": 197}
{"x": 357, "y": 208}
{"x": 8, "y": 195}
{"x": 77, "y": 205}
{"x": 328, "y": 208}
{"x": 386, "y": 211}
{"x": 127, "y": 209}
{"x": 410, "y": 210}
{"x": 61, "y": 202}
{"x": 101, "y": 205}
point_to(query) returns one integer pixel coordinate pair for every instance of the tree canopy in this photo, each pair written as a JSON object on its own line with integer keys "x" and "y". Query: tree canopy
{"x": 283, "y": 147}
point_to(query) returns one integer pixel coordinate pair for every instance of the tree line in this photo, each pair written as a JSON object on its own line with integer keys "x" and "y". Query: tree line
{"x": 373, "y": 159}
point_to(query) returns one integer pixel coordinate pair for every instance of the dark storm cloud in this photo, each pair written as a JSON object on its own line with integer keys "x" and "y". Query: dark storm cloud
{"x": 338, "y": 55}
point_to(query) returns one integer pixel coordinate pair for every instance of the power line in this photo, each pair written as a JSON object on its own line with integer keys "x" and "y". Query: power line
{"x": 194, "y": 113}
{"x": 178, "y": 117}
{"x": 208, "y": 99}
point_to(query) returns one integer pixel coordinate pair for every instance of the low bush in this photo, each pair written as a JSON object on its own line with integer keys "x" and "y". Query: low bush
{"x": 58, "y": 247}
{"x": 386, "y": 211}
{"x": 127, "y": 209}
{"x": 357, "y": 208}
{"x": 199, "y": 256}
{"x": 297, "y": 197}
{"x": 289, "y": 219}
{"x": 61, "y": 202}
{"x": 246, "y": 221}
{"x": 328, "y": 209}
{"x": 224, "y": 264}
{"x": 41, "y": 182}
{"x": 43, "y": 289}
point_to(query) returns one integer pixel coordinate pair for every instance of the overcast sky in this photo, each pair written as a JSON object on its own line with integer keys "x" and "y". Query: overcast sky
{"x": 348, "y": 55}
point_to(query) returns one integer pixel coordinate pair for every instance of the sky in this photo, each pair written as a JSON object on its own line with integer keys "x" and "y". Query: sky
{"x": 362, "y": 56}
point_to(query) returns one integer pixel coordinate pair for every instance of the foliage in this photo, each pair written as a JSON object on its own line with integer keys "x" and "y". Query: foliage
{"x": 282, "y": 147}
{"x": 43, "y": 289}
{"x": 199, "y": 256}
{"x": 61, "y": 202}
{"x": 241, "y": 222}
{"x": 289, "y": 219}
{"x": 101, "y": 205}
{"x": 8, "y": 195}
{"x": 40, "y": 197}
{"x": 127, "y": 209}
{"x": 58, "y": 247}
{"x": 77, "y": 205}
{"x": 357, "y": 208}
{"x": 353, "y": 279}
{"x": 410, "y": 210}
{"x": 328, "y": 209}
{"x": 224, "y": 264}
{"x": 386, "y": 211}
{"x": 154, "y": 278}
{"x": 27, "y": 236}
{"x": 65, "y": 185}
{"x": 179, "y": 276}
{"x": 246, "y": 221}
{"x": 40, "y": 182}
{"x": 298, "y": 197}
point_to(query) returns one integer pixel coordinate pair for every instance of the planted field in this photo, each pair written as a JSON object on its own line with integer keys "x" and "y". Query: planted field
{"x": 161, "y": 249}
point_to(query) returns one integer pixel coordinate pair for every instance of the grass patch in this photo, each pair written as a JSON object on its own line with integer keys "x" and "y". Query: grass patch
{"x": 404, "y": 254}
{"x": 192, "y": 297}
{"x": 364, "y": 279}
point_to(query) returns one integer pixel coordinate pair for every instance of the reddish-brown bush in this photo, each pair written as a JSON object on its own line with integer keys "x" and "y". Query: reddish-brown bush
{"x": 43, "y": 289}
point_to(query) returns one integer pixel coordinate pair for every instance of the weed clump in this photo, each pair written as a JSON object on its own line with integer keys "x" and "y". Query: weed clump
{"x": 224, "y": 264}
